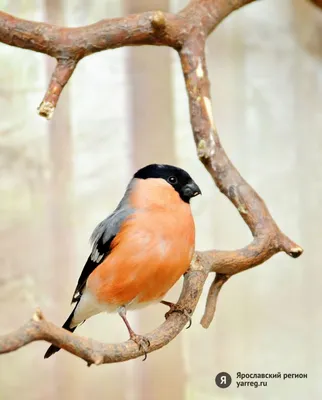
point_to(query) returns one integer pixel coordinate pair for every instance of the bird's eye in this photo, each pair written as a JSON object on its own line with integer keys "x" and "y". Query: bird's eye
{"x": 172, "y": 180}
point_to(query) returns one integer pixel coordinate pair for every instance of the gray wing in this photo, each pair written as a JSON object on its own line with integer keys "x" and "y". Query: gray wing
{"x": 101, "y": 239}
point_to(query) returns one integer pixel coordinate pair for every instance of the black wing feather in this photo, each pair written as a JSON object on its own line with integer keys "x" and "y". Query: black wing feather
{"x": 100, "y": 251}
{"x": 53, "y": 349}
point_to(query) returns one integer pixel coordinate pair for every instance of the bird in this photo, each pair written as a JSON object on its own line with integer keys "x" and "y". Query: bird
{"x": 139, "y": 251}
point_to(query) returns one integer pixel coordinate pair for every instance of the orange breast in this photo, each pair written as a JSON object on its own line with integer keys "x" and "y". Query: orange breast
{"x": 150, "y": 253}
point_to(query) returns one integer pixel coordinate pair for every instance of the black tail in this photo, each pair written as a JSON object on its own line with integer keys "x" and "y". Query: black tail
{"x": 53, "y": 349}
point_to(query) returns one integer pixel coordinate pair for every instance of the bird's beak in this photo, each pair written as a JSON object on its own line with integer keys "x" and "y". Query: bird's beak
{"x": 191, "y": 190}
{"x": 197, "y": 191}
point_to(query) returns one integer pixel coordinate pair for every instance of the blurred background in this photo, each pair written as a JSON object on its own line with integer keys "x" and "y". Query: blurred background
{"x": 128, "y": 107}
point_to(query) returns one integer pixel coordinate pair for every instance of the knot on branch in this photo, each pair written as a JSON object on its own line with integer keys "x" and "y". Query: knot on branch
{"x": 97, "y": 359}
{"x": 205, "y": 151}
{"x": 38, "y": 316}
{"x": 158, "y": 20}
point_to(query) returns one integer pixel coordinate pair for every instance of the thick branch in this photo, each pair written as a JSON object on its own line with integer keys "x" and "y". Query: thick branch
{"x": 99, "y": 353}
{"x": 76, "y": 43}
{"x": 207, "y": 14}
{"x": 257, "y": 252}
{"x": 268, "y": 239}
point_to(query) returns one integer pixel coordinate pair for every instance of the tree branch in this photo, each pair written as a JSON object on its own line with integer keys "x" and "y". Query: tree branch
{"x": 186, "y": 32}
{"x": 61, "y": 75}
{"x": 70, "y": 45}
{"x": 268, "y": 239}
{"x": 94, "y": 352}
{"x": 212, "y": 299}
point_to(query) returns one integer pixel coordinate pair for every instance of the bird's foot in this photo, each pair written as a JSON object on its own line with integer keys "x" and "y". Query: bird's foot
{"x": 143, "y": 343}
{"x": 176, "y": 308}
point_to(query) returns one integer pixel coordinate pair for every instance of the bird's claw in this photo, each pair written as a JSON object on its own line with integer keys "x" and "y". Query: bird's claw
{"x": 176, "y": 308}
{"x": 143, "y": 343}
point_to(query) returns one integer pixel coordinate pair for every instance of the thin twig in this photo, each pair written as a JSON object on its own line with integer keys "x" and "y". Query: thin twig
{"x": 212, "y": 299}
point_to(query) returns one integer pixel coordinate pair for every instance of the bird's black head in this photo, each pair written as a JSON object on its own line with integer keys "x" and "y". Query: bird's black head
{"x": 178, "y": 178}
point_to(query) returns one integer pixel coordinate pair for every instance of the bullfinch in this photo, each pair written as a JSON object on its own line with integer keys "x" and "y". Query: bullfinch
{"x": 140, "y": 251}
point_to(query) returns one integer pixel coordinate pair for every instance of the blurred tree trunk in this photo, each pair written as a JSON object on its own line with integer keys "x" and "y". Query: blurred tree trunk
{"x": 60, "y": 210}
{"x": 149, "y": 71}
{"x": 152, "y": 136}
